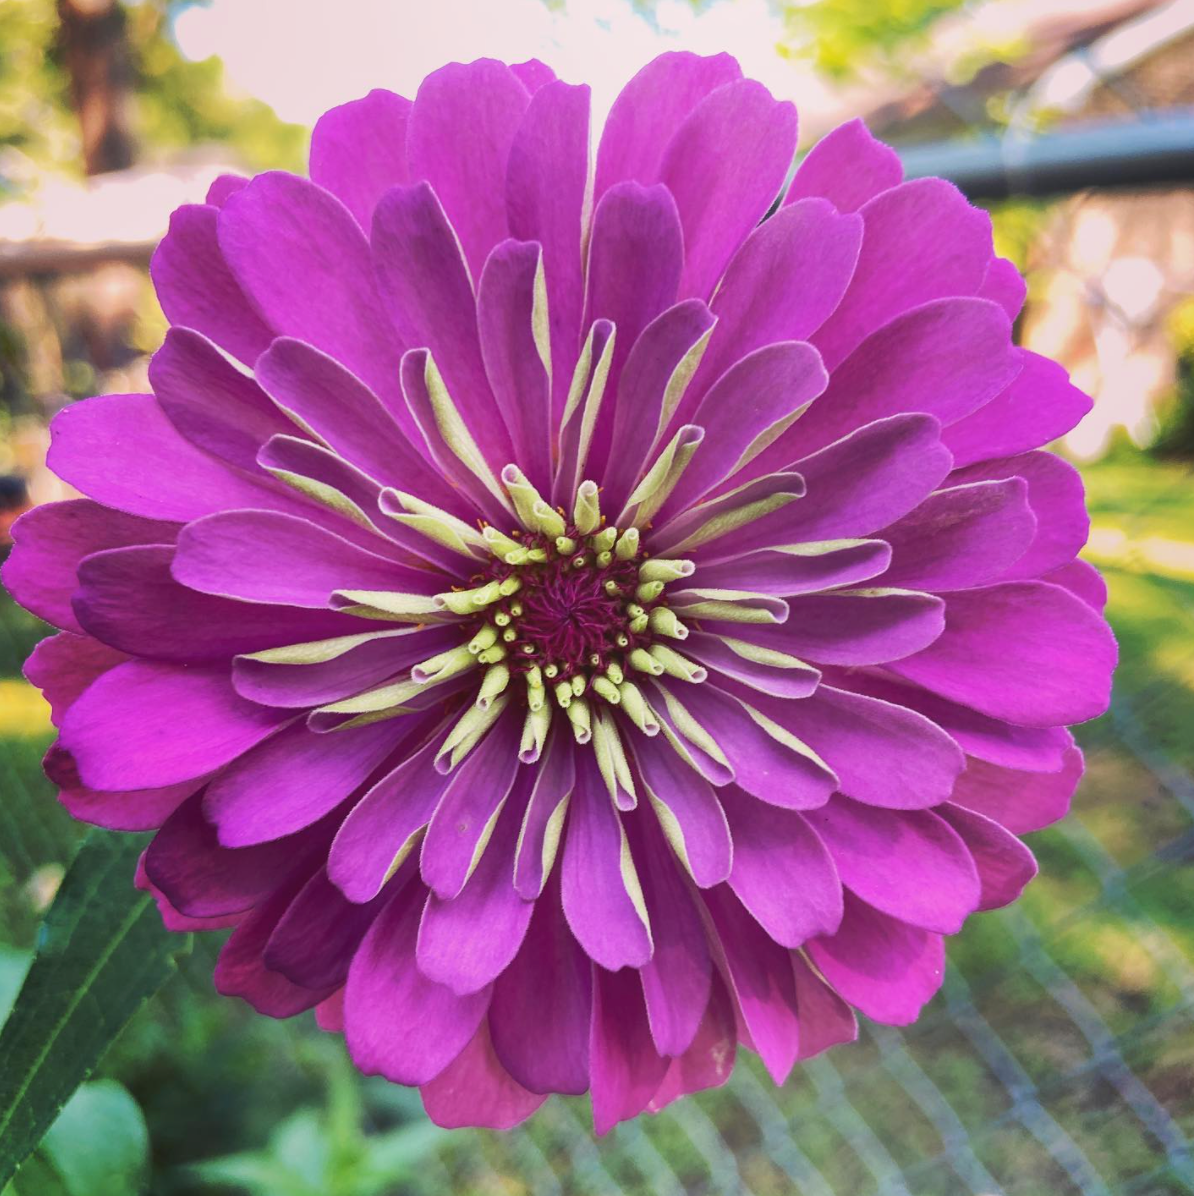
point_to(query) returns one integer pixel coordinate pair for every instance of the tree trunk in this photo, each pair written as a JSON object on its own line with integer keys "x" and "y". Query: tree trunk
{"x": 96, "y": 55}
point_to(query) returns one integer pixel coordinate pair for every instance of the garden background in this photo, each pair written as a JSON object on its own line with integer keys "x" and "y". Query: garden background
{"x": 1059, "y": 1057}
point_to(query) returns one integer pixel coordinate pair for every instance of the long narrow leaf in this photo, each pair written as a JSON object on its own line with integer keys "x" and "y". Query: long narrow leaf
{"x": 102, "y": 952}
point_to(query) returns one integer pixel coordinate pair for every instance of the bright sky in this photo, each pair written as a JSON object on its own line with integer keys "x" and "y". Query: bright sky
{"x": 323, "y": 52}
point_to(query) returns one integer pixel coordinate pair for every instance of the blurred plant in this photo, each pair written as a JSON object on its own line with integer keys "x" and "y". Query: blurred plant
{"x": 325, "y": 1152}
{"x": 175, "y": 102}
{"x": 841, "y": 36}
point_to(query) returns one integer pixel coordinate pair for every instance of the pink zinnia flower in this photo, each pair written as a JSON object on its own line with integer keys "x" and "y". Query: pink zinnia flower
{"x": 568, "y": 627}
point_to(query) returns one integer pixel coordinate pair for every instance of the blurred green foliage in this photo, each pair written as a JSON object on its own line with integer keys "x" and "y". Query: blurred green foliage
{"x": 177, "y": 102}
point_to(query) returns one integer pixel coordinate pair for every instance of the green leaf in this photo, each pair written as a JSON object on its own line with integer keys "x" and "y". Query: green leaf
{"x": 100, "y": 1144}
{"x": 102, "y": 952}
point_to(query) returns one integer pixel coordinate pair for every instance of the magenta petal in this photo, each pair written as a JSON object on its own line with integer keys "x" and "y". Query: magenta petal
{"x": 532, "y": 74}
{"x": 709, "y": 1061}
{"x": 691, "y": 810}
{"x": 652, "y": 366}
{"x": 304, "y": 262}
{"x": 539, "y": 1017}
{"x": 961, "y": 537}
{"x": 758, "y": 972}
{"x": 346, "y": 415}
{"x": 398, "y": 1023}
{"x": 636, "y": 253}
{"x": 946, "y": 358}
{"x": 757, "y": 396}
{"x": 782, "y": 285}
{"x": 383, "y": 822}
{"x": 676, "y": 978}
{"x": 223, "y": 186}
{"x": 555, "y": 778}
{"x": 1040, "y": 405}
{"x": 910, "y": 864}
{"x": 518, "y": 375}
{"x": 358, "y": 151}
{"x": 999, "y": 637}
{"x": 626, "y": 1070}
{"x": 269, "y": 557}
{"x": 468, "y": 941}
{"x": 316, "y": 938}
{"x": 725, "y": 165}
{"x": 41, "y": 570}
{"x": 849, "y": 627}
{"x": 1004, "y": 864}
{"x": 884, "y": 754}
{"x": 490, "y": 776}
{"x": 463, "y": 124}
{"x": 546, "y": 178}
{"x": 922, "y": 241}
{"x": 608, "y": 920}
{"x": 171, "y": 918}
{"x": 129, "y": 599}
{"x": 428, "y": 293}
{"x": 122, "y": 451}
{"x": 782, "y": 872}
{"x": 196, "y": 288}
{"x": 1058, "y": 500}
{"x": 241, "y": 970}
{"x": 62, "y": 666}
{"x": 825, "y": 1019}
{"x": 1083, "y": 579}
{"x": 204, "y": 880}
{"x": 476, "y": 1090}
{"x": 796, "y": 572}
{"x": 651, "y": 108}
{"x": 135, "y": 810}
{"x": 212, "y": 403}
{"x": 1004, "y": 285}
{"x": 863, "y": 482}
{"x": 774, "y": 772}
{"x": 256, "y": 798}
{"x": 847, "y": 167}
{"x": 124, "y": 731}
{"x": 1019, "y": 801}
{"x": 883, "y": 967}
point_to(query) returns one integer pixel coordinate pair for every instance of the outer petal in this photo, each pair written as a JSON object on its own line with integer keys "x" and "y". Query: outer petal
{"x": 725, "y": 165}
{"x": 358, "y": 151}
{"x": 782, "y": 872}
{"x": 649, "y": 111}
{"x": 1020, "y": 801}
{"x": 211, "y": 403}
{"x": 907, "y": 863}
{"x": 922, "y": 241}
{"x": 122, "y": 451}
{"x": 396, "y": 1021}
{"x": 625, "y": 1068}
{"x": 602, "y": 897}
{"x": 62, "y": 666}
{"x": 1004, "y": 864}
{"x": 782, "y": 284}
{"x": 126, "y": 731}
{"x": 1040, "y": 405}
{"x": 546, "y": 183}
{"x": 885, "y": 968}
{"x": 468, "y": 941}
{"x": 304, "y": 262}
{"x": 476, "y": 1090}
{"x": 197, "y": 290}
{"x": 464, "y": 121}
{"x": 947, "y": 358}
{"x": 539, "y": 1018}
{"x": 709, "y": 1060}
{"x": 257, "y": 799}
{"x": 41, "y": 571}
{"x": 1024, "y": 651}
{"x": 848, "y": 167}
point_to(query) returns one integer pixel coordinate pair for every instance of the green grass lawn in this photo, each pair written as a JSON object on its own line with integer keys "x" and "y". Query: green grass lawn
{"x": 1056, "y": 1060}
